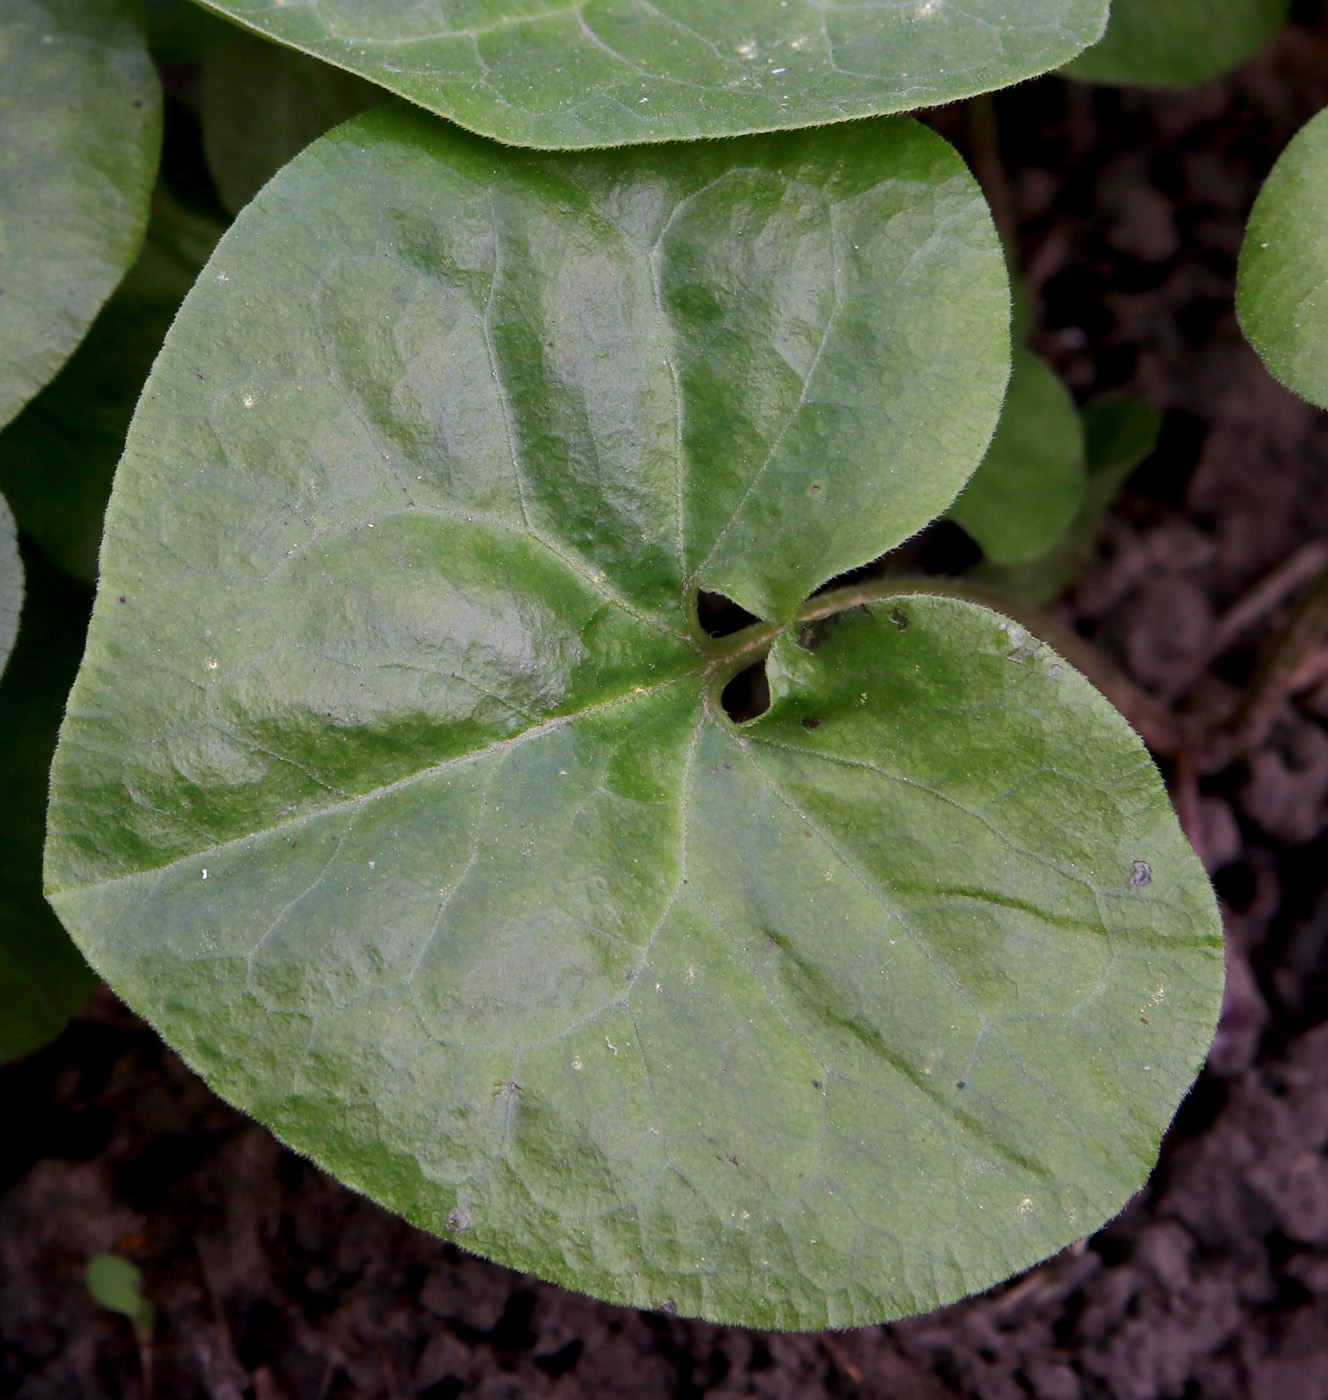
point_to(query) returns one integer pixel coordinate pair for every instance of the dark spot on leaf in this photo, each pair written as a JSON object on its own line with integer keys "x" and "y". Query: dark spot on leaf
{"x": 747, "y": 695}
{"x": 959, "y": 1084}
{"x": 1141, "y": 876}
{"x": 138, "y": 102}
{"x": 899, "y": 618}
{"x": 809, "y": 723}
{"x": 733, "y": 1160}
{"x": 816, "y": 1084}
{"x": 1145, "y": 1020}
{"x": 668, "y": 1307}
{"x": 122, "y": 598}
{"x": 815, "y": 491}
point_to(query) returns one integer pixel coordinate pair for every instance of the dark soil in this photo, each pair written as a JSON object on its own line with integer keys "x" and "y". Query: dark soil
{"x": 271, "y": 1280}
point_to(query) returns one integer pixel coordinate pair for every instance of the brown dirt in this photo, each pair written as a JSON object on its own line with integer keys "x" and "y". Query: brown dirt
{"x": 271, "y": 1280}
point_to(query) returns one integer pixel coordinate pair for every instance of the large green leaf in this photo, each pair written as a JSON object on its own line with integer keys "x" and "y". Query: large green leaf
{"x": 57, "y": 458}
{"x": 397, "y": 789}
{"x": 1031, "y": 481}
{"x": 80, "y": 124}
{"x": 1282, "y": 294}
{"x": 1166, "y": 42}
{"x": 263, "y": 104}
{"x": 43, "y": 977}
{"x": 549, "y": 74}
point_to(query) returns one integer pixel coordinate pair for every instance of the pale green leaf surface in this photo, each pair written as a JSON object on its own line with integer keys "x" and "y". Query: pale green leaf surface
{"x": 263, "y": 104}
{"x": 553, "y": 74}
{"x": 57, "y": 458}
{"x": 80, "y": 126}
{"x": 396, "y": 792}
{"x": 1031, "y": 481}
{"x": 1282, "y": 293}
{"x": 43, "y": 977}
{"x": 1177, "y": 42}
{"x": 11, "y": 583}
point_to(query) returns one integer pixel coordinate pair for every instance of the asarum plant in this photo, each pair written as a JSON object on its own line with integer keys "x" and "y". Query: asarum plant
{"x": 486, "y": 767}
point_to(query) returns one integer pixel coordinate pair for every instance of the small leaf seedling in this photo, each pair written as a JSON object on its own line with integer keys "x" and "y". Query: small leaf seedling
{"x": 117, "y": 1285}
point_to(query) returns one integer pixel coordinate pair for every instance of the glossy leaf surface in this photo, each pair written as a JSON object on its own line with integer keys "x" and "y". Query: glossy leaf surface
{"x": 57, "y": 458}
{"x": 549, "y": 74}
{"x": 80, "y": 125}
{"x": 263, "y": 104}
{"x": 1031, "y": 481}
{"x": 1176, "y": 42}
{"x": 398, "y": 793}
{"x": 43, "y": 977}
{"x": 1282, "y": 295}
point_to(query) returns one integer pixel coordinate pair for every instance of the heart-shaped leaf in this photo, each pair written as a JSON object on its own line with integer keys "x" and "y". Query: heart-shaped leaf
{"x": 80, "y": 125}
{"x": 1282, "y": 296}
{"x": 1166, "y": 42}
{"x": 548, "y": 74}
{"x": 1031, "y": 481}
{"x": 397, "y": 787}
{"x": 57, "y": 458}
{"x": 43, "y": 977}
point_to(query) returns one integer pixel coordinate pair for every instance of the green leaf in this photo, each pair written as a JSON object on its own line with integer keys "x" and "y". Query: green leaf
{"x": 1282, "y": 292}
{"x": 1031, "y": 481}
{"x": 1169, "y": 42}
{"x": 57, "y": 458}
{"x": 80, "y": 127}
{"x": 11, "y": 583}
{"x": 43, "y": 977}
{"x": 263, "y": 104}
{"x": 615, "y": 72}
{"x": 1118, "y": 436}
{"x": 117, "y": 1285}
{"x": 398, "y": 793}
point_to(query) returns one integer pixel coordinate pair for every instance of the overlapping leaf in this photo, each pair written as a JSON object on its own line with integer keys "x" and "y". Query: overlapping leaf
{"x": 1031, "y": 481}
{"x": 396, "y": 787}
{"x": 1282, "y": 296}
{"x": 80, "y": 121}
{"x": 57, "y": 458}
{"x": 1165, "y": 42}
{"x": 43, "y": 977}
{"x": 554, "y": 74}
